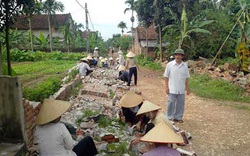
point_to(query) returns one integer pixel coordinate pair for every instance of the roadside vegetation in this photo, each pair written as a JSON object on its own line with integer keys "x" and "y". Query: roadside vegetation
{"x": 41, "y": 73}
{"x": 205, "y": 86}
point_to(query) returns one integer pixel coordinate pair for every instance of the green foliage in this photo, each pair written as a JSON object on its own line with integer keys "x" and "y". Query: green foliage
{"x": 148, "y": 62}
{"x": 205, "y": 86}
{"x": 42, "y": 90}
{"x": 111, "y": 93}
{"x": 5, "y": 70}
{"x": 17, "y": 55}
{"x": 104, "y": 121}
{"x": 120, "y": 41}
{"x": 89, "y": 113}
{"x": 118, "y": 148}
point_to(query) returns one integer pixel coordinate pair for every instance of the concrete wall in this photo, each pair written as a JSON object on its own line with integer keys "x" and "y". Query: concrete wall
{"x": 11, "y": 110}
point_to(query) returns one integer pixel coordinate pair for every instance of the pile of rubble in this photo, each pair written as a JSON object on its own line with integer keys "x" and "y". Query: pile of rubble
{"x": 226, "y": 72}
{"x": 94, "y": 112}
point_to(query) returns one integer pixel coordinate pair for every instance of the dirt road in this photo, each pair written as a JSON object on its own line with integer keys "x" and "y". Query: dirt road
{"x": 217, "y": 129}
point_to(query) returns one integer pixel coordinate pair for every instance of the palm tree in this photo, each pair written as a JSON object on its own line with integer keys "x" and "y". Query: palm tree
{"x": 32, "y": 7}
{"x": 122, "y": 25}
{"x": 131, "y": 6}
{"x": 50, "y": 7}
{"x": 68, "y": 34}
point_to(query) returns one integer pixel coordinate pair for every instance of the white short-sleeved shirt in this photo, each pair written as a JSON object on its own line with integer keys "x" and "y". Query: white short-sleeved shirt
{"x": 177, "y": 75}
{"x": 54, "y": 140}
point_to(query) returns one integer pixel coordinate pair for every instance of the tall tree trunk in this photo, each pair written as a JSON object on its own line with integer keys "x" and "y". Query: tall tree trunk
{"x": 31, "y": 34}
{"x": 1, "y": 61}
{"x": 7, "y": 39}
{"x": 147, "y": 39}
{"x": 133, "y": 20}
{"x": 161, "y": 55}
{"x": 50, "y": 32}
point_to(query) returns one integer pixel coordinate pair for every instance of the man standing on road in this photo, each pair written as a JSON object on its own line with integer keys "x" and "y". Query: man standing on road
{"x": 176, "y": 80}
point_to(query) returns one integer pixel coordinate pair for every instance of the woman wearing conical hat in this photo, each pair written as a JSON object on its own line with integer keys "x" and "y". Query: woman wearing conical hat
{"x": 153, "y": 112}
{"x": 53, "y": 138}
{"x": 132, "y": 66}
{"x": 130, "y": 103}
{"x": 162, "y": 137}
{"x": 84, "y": 68}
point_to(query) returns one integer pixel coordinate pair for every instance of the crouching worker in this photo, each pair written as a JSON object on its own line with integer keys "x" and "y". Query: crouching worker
{"x": 153, "y": 112}
{"x": 53, "y": 138}
{"x": 130, "y": 104}
{"x": 123, "y": 74}
{"x": 162, "y": 138}
{"x": 84, "y": 69}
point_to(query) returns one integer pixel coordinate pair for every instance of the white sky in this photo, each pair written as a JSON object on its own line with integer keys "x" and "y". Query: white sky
{"x": 105, "y": 15}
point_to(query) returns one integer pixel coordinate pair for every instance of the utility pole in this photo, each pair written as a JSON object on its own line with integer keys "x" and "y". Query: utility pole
{"x": 87, "y": 28}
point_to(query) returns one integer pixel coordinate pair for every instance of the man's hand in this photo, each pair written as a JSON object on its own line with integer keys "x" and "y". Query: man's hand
{"x": 135, "y": 141}
{"x": 188, "y": 91}
{"x": 167, "y": 91}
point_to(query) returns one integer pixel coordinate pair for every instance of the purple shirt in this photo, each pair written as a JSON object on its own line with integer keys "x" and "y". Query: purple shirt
{"x": 162, "y": 151}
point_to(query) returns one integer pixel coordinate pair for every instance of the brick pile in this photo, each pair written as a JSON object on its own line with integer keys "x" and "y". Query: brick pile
{"x": 31, "y": 110}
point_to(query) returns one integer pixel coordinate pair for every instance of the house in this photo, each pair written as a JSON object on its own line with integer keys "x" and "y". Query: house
{"x": 140, "y": 42}
{"x": 39, "y": 24}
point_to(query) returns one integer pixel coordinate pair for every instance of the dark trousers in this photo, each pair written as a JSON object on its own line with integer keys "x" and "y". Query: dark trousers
{"x": 88, "y": 72}
{"x": 86, "y": 147}
{"x": 132, "y": 71}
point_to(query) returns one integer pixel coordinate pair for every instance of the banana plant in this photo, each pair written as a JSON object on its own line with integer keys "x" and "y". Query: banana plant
{"x": 194, "y": 26}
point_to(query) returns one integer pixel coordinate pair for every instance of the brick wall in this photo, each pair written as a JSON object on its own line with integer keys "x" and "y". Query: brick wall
{"x": 31, "y": 110}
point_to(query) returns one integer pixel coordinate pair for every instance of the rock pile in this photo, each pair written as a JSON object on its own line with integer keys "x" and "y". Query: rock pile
{"x": 94, "y": 112}
{"x": 227, "y": 72}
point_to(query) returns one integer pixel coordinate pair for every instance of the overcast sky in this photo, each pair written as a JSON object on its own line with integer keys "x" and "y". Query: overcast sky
{"x": 105, "y": 15}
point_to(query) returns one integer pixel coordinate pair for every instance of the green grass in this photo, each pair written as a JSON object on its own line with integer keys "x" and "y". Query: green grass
{"x": 205, "y": 86}
{"x": 43, "y": 78}
{"x": 88, "y": 113}
{"x": 29, "y": 71}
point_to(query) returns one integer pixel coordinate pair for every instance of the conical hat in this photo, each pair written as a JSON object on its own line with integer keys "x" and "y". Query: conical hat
{"x": 51, "y": 109}
{"x": 103, "y": 60}
{"x": 121, "y": 67}
{"x": 119, "y": 52}
{"x": 162, "y": 133}
{"x": 147, "y": 107}
{"x": 89, "y": 58}
{"x": 130, "y": 99}
{"x": 111, "y": 58}
{"x": 130, "y": 54}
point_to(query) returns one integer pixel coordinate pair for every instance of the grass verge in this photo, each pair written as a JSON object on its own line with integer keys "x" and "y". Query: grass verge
{"x": 205, "y": 86}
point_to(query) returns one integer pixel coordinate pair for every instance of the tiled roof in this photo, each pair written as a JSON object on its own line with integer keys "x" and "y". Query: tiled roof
{"x": 39, "y": 22}
{"x": 152, "y": 35}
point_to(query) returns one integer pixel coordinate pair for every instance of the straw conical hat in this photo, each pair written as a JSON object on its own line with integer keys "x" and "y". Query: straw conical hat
{"x": 147, "y": 107}
{"x": 84, "y": 59}
{"x": 89, "y": 58}
{"x": 119, "y": 52}
{"x": 162, "y": 133}
{"x": 103, "y": 60}
{"x": 51, "y": 109}
{"x": 121, "y": 67}
{"x": 111, "y": 58}
{"x": 130, "y": 54}
{"x": 130, "y": 100}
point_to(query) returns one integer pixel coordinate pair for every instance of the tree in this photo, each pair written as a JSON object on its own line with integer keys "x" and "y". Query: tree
{"x": 131, "y": 6}
{"x": 122, "y": 25}
{"x": 68, "y": 35}
{"x": 9, "y": 9}
{"x": 195, "y": 26}
{"x": 50, "y": 7}
{"x": 145, "y": 13}
{"x": 32, "y": 7}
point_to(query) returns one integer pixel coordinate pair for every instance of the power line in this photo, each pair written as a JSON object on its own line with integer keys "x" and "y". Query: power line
{"x": 91, "y": 23}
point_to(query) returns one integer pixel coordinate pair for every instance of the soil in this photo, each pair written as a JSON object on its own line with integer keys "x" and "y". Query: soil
{"x": 217, "y": 128}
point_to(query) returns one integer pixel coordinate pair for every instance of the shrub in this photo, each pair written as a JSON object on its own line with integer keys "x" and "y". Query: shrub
{"x": 148, "y": 62}
{"x": 42, "y": 90}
